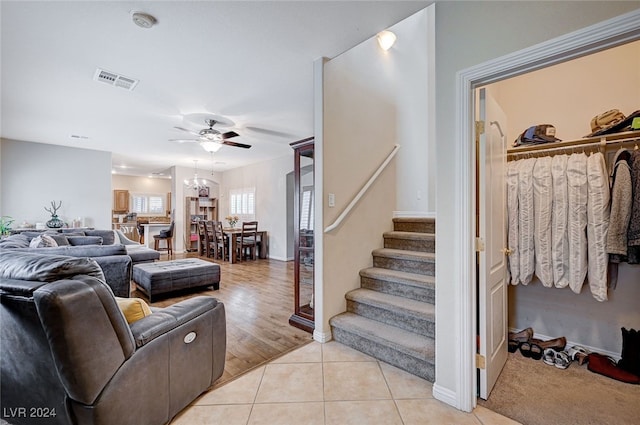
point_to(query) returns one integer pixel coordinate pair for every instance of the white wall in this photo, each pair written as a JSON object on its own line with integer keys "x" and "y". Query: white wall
{"x": 467, "y": 34}
{"x": 34, "y": 174}
{"x": 270, "y": 180}
{"x": 372, "y": 100}
{"x": 138, "y": 184}
{"x": 568, "y": 95}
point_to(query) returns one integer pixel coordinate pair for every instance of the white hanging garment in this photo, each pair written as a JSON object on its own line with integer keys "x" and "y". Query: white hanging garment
{"x": 542, "y": 208}
{"x": 525, "y": 220}
{"x": 597, "y": 224}
{"x": 559, "y": 236}
{"x": 577, "y": 220}
{"x": 512, "y": 215}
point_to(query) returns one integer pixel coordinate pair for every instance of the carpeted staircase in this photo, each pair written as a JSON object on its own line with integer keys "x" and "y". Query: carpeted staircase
{"x": 392, "y": 315}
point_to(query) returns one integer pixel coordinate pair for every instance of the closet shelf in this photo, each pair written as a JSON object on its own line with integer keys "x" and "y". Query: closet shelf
{"x": 602, "y": 143}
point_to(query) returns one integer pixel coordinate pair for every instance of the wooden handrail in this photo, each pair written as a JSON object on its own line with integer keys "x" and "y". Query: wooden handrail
{"x": 355, "y": 200}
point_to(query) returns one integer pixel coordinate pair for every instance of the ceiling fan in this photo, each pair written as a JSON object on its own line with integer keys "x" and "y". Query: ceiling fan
{"x": 211, "y": 139}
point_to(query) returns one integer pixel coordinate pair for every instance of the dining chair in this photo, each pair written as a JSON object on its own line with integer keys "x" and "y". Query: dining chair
{"x": 248, "y": 240}
{"x": 221, "y": 241}
{"x": 167, "y": 236}
{"x": 202, "y": 244}
{"x": 210, "y": 249}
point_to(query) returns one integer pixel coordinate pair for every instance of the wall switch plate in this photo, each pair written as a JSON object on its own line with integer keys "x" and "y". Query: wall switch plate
{"x": 332, "y": 200}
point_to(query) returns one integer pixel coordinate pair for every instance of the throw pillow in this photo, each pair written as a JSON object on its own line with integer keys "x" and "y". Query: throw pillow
{"x": 43, "y": 241}
{"x": 84, "y": 240}
{"x": 60, "y": 239}
{"x": 133, "y": 309}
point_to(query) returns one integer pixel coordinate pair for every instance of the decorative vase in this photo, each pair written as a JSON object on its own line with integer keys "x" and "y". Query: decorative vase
{"x": 55, "y": 222}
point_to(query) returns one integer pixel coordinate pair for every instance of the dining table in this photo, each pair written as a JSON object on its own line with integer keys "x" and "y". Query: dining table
{"x": 232, "y": 235}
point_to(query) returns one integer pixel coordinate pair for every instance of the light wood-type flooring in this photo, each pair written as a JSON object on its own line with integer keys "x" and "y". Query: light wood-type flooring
{"x": 258, "y": 300}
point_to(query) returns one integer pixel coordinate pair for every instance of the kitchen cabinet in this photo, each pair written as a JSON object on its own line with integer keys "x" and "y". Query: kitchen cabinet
{"x": 121, "y": 201}
{"x": 303, "y": 227}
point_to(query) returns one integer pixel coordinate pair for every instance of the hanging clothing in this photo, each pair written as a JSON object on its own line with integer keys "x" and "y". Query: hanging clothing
{"x": 633, "y": 234}
{"x": 560, "y": 239}
{"x": 597, "y": 224}
{"x": 525, "y": 220}
{"x": 577, "y": 220}
{"x": 542, "y": 209}
{"x": 512, "y": 216}
{"x": 621, "y": 201}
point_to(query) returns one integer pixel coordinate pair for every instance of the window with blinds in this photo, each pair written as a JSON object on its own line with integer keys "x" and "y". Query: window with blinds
{"x": 243, "y": 203}
{"x": 149, "y": 204}
{"x": 306, "y": 209}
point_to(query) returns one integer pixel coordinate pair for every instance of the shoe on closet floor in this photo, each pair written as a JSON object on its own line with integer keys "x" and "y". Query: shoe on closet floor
{"x": 557, "y": 344}
{"x": 559, "y": 359}
{"x": 531, "y": 350}
{"x": 578, "y": 354}
{"x": 605, "y": 365}
{"x": 515, "y": 339}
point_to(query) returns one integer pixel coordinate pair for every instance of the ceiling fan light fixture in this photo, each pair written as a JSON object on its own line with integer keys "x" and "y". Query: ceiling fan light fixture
{"x": 210, "y": 146}
{"x": 386, "y": 39}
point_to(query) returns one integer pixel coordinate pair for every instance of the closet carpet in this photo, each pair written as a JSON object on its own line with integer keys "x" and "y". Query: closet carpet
{"x": 533, "y": 393}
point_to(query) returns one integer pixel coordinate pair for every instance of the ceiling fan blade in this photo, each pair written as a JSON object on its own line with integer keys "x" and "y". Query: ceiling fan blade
{"x": 237, "y": 145}
{"x": 229, "y": 134}
{"x": 195, "y": 133}
{"x": 184, "y": 140}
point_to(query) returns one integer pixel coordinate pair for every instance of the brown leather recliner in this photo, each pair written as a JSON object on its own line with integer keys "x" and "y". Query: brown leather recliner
{"x": 68, "y": 351}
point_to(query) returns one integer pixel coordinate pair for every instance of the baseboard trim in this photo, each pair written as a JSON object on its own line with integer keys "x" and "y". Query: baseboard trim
{"x": 322, "y": 337}
{"x": 414, "y": 214}
{"x": 570, "y": 344}
{"x": 445, "y": 395}
{"x": 272, "y": 257}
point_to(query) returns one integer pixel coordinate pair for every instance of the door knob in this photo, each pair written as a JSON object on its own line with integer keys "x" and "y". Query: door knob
{"x": 506, "y": 251}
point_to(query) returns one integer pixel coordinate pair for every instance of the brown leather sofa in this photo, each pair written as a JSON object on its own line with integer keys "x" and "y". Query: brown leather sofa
{"x": 68, "y": 351}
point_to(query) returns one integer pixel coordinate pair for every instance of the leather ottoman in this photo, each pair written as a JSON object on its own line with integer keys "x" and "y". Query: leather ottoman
{"x": 168, "y": 276}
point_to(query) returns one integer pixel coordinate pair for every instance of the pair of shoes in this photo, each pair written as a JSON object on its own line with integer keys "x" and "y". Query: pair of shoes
{"x": 531, "y": 350}
{"x": 515, "y": 339}
{"x": 557, "y": 344}
{"x": 559, "y": 359}
{"x": 578, "y": 354}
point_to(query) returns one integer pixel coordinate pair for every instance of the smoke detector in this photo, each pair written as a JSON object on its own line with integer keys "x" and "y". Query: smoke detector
{"x": 143, "y": 20}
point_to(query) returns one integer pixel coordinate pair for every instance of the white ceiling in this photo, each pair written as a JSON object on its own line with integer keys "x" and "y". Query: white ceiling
{"x": 250, "y": 62}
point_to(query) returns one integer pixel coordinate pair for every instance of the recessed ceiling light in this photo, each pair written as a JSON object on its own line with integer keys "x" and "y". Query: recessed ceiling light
{"x": 143, "y": 20}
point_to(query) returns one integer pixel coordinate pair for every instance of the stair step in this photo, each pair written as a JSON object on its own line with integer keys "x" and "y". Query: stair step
{"x": 406, "y": 350}
{"x": 398, "y": 259}
{"x": 415, "y": 224}
{"x": 409, "y": 285}
{"x": 411, "y": 315}
{"x": 411, "y": 241}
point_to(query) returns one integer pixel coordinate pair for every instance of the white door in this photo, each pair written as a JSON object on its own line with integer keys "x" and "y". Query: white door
{"x": 492, "y": 261}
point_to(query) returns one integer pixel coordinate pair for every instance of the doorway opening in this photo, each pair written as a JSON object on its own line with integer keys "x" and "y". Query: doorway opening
{"x": 610, "y": 33}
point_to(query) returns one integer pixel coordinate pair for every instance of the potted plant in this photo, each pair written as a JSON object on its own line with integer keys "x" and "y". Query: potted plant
{"x": 5, "y": 225}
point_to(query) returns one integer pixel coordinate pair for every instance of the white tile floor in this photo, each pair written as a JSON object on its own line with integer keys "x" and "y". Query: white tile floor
{"x": 327, "y": 384}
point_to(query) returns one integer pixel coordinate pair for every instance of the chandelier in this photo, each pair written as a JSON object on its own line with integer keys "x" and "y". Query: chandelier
{"x": 195, "y": 184}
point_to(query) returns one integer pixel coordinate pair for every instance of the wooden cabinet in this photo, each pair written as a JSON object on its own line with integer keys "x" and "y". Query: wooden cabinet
{"x": 196, "y": 209}
{"x": 303, "y": 225}
{"x": 121, "y": 201}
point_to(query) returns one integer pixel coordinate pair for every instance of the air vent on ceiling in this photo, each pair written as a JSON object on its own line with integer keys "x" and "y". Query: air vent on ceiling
{"x": 114, "y": 79}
